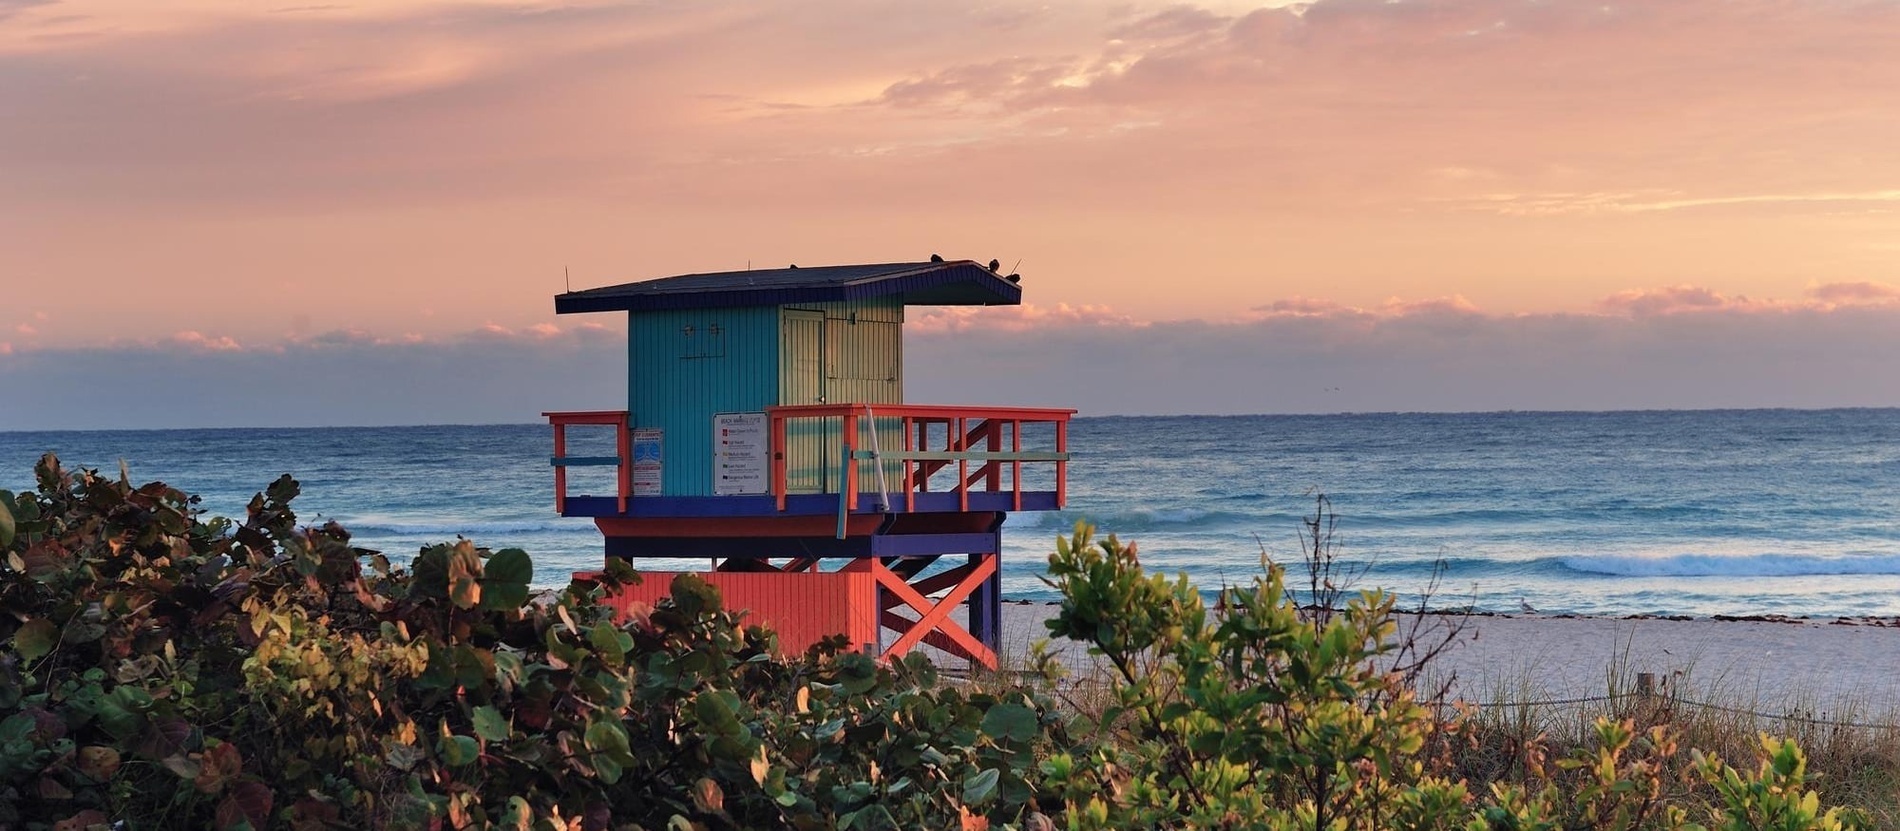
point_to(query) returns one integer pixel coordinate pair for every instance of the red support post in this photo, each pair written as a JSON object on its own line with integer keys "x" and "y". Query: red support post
{"x": 623, "y": 445}
{"x": 560, "y": 471}
{"x": 993, "y": 431}
{"x": 778, "y": 451}
{"x": 910, "y": 467}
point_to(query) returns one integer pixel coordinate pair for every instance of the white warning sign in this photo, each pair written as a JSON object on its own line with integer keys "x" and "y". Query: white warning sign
{"x": 740, "y": 454}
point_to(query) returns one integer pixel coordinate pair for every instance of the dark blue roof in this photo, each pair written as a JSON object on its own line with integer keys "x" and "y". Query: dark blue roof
{"x": 952, "y": 283}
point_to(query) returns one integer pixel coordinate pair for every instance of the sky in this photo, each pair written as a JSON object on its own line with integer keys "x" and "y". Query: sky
{"x": 305, "y": 212}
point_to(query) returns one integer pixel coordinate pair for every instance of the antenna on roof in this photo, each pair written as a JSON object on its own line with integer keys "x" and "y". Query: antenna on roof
{"x": 565, "y": 278}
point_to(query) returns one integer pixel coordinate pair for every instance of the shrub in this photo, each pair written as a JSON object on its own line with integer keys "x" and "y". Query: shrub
{"x": 172, "y": 671}
{"x": 1251, "y": 715}
{"x": 162, "y": 669}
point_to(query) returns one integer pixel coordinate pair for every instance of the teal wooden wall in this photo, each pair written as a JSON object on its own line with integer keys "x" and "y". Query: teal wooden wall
{"x": 677, "y": 381}
{"x": 685, "y": 366}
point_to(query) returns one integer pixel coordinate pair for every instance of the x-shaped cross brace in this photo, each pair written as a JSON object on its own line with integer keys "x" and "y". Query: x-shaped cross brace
{"x": 934, "y": 624}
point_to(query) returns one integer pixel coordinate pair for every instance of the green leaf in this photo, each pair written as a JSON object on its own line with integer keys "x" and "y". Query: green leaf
{"x": 403, "y": 756}
{"x": 608, "y": 737}
{"x": 6, "y": 518}
{"x": 608, "y": 769}
{"x": 619, "y": 570}
{"x": 430, "y": 573}
{"x": 694, "y": 596}
{"x": 518, "y": 815}
{"x": 489, "y": 724}
{"x": 283, "y": 490}
{"x": 505, "y": 579}
{"x": 979, "y": 788}
{"x": 1010, "y": 721}
{"x": 510, "y": 565}
{"x": 460, "y": 750}
{"x": 609, "y": 642}
{"x": 36, "y": 639}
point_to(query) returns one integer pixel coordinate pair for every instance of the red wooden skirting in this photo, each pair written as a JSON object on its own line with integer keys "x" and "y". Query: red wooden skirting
{"x": 804, "y": 606}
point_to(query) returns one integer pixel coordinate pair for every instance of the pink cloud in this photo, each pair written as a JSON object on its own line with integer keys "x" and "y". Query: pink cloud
{"x": 6, "y": 348}
{"x": 1455, "y": 305}
{"x": 1028, "y": 316}
{"x": 1393, "y": 307}
{"x": 1304, "y": 306}
{"x": 1856, "y": 293}
{"x": 201, "y": 342}
{"x": 1685, "y": 299}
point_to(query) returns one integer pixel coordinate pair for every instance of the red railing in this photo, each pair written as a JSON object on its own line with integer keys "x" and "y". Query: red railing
{"x": 929, "y": 440}
{"x": 969, "y": 435}
{"x": 623, "y": 448}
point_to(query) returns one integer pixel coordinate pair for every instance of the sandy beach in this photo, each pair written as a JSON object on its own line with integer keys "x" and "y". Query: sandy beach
{"x": 1847, "y": 668}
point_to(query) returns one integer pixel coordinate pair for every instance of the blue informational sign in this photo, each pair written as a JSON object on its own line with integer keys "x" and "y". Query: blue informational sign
{"x": 648, "y": 460}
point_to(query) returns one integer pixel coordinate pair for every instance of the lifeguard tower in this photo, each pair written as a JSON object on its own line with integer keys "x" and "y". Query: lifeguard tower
{"x": 766, "y": 431}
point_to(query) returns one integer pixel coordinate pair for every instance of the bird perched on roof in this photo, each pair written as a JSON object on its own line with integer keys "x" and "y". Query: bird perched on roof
{"x": 996, "y": 265}
{"x": 936, "y": 258}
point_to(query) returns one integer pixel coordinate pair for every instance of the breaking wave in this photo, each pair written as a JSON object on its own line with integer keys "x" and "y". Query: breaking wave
{"x": 406, "y": 529}
{"x": 1749, "y": 565}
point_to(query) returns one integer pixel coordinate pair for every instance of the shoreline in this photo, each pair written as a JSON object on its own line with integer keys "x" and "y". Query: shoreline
{"x": 1883, "y": 621}
{"x": 1774, "y": 664}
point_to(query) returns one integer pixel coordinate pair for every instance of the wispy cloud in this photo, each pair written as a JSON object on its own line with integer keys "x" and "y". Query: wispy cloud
{"x": 359, "y": 162}
{"x": 1554, "y": 204}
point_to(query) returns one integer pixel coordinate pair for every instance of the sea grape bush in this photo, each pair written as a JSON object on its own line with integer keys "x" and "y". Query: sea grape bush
{"x": 164, "y": 669}
{"x": 1253, "y": 715}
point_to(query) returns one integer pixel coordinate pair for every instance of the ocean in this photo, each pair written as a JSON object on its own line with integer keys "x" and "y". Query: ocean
{"x": 1735, "y": 512}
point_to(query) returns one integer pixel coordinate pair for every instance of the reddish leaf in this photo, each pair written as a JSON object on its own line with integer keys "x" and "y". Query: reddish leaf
{"x": 971, "y": 822}
{"x": 597, "y": 816}
{"x": 218, "y": 767}
{"x": 310, "y": 814}
{"x": 164, "y": 738}
{"x": 465, "y": 574}
{"x": 50, "y": 788}
{"x": 83, "y": 820}
{"x": 248, "y": 802}
{"x": 98, "y": 762}
{"x": 45, "y": 559}
{"x": 708, "y": 796}
{"x": 51, "y": 728}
